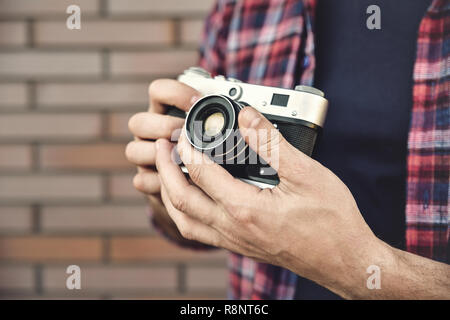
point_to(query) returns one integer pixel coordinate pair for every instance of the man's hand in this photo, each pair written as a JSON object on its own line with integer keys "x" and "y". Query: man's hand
{"x": 146, "y": 128}
{"x": 309, "y": 223}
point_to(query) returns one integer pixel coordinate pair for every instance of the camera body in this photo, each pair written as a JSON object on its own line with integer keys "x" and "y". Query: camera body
{"x": 298, "y": 115}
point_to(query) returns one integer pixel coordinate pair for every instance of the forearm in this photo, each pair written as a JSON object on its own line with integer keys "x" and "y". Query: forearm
{"x": 403, "y": 275}
{"x": 416, "y": 277}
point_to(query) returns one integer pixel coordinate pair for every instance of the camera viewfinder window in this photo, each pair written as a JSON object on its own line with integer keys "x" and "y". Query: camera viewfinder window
{"x": 280, "y": 100}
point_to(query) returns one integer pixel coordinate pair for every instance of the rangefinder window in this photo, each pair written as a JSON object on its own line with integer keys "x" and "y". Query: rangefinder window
{"x": 280, "y": 100}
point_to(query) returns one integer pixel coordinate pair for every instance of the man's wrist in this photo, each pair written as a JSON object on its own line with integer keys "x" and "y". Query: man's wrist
{"x": 365, "y": 282}
{"x": 347, "y": 270}
{"x": 362, "y": 262}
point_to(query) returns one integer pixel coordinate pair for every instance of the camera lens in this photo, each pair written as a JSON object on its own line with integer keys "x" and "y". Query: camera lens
{"x": 214, "y": 124}
{"x": 211, "y": 127}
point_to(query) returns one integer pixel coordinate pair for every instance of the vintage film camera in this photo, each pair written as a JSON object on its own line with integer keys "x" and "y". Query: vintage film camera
{"x": 211, "y": 124}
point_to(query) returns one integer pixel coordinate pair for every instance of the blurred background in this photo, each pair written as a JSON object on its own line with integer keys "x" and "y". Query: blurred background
{"x": 66, "y": 195}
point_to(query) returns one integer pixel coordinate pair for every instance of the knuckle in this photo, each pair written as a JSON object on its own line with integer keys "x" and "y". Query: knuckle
{"x": 184, "y": 229}
{"x": 179, "y": 146}
{"x": 179, "y": 202}
{"x": 138, "y": 182}
{"x": 272, "y": 141}
{"x": 195, "y": 172}
{"x": 134, "y": 121}
{"x": 275, "y": 251}
{"x": 186, "y": 233}
{"x": 217, "y": 242}
{"x": 129, "y": 151}
{"x": 241, "y": 214}
{"x": 245, "y": 216}
{"x": 147, "y": 183}
{"x": 154, "y": 87}
{"x": 165, "y": 127}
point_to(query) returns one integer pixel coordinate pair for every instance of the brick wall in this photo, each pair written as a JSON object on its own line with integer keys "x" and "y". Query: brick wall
{"x": 65, "y": 187}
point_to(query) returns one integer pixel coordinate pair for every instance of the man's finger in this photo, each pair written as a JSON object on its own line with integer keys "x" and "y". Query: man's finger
{"x": 184, "y": 196}
{"x": 218, "y": 183}
{"x": 147, "y": 181}
{"x": 147, "y": 125}
{"x": 268, "y": 142}
{"x": 141, "y": 153}
{"x": 168, "y": 92}
{"x": 190, "y": 228}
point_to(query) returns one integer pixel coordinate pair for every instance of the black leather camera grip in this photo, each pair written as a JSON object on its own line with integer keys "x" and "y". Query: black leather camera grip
{"x": 175, "y": 112}
{"x": 301, "y": 137}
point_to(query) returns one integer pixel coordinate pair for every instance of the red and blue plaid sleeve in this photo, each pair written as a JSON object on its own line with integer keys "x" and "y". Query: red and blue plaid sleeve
{"x": 428, "y": 185}
{"x": 213, "y": 46}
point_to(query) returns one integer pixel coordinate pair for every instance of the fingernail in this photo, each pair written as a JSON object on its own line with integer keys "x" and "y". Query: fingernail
{"x": 157, "y": 144}
{"x": 250, "y": 117}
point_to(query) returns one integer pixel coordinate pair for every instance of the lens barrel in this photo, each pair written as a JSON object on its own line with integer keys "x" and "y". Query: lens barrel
{"x": 212, "y": 127}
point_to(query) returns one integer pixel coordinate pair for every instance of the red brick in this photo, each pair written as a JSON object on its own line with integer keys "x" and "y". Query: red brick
{"x": 170, "y": 7}
{"x": 207, "y": 278}
{"x": 13, "y": 95}
{"x": 65, "y": 295}
{"x": 104, "y": 218}
{"x": 29, "y": 8}
{"x": 104, "y": 95}
{"x": 157, "y": 249}
{"x": 38, "y": 65}
{"x": 165, "y": 63}
{"x": 210, "y": 295}
{"x": 44, "y": 249}
{"x": 89, "y": 156}
{"x": 49, "y": 188}
{"x": 118, "y": 125}
{"x": 15, "y": 219}
{"x": 13, "y": 34}
{"x": 16, "y": 278}
{"x": 15, "y": 157}
{"x": 38, "y": 127}
{"x": 110, "y": 279}
{"x": 121, "y": 188}
{"x": 105, "y": 33}
{"x": 191, "y": 31}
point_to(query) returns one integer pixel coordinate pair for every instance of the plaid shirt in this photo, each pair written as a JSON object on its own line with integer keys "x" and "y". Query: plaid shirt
{"x": 272, "y": 43}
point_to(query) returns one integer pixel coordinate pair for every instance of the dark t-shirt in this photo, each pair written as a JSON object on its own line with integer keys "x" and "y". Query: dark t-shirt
{"x": 367, "y": 77}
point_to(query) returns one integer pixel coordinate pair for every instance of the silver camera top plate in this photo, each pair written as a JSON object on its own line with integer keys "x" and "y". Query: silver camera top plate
{"x": 303, "y": 103}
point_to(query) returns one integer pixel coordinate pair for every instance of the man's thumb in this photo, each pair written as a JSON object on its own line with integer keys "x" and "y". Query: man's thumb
{"x": 265, "y": 139}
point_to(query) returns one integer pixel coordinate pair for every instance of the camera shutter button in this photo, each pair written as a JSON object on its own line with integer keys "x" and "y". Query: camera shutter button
{"x": 308, "y": 89}
{"x": 234, "y": 80}
{"x": 198, "y": 71}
